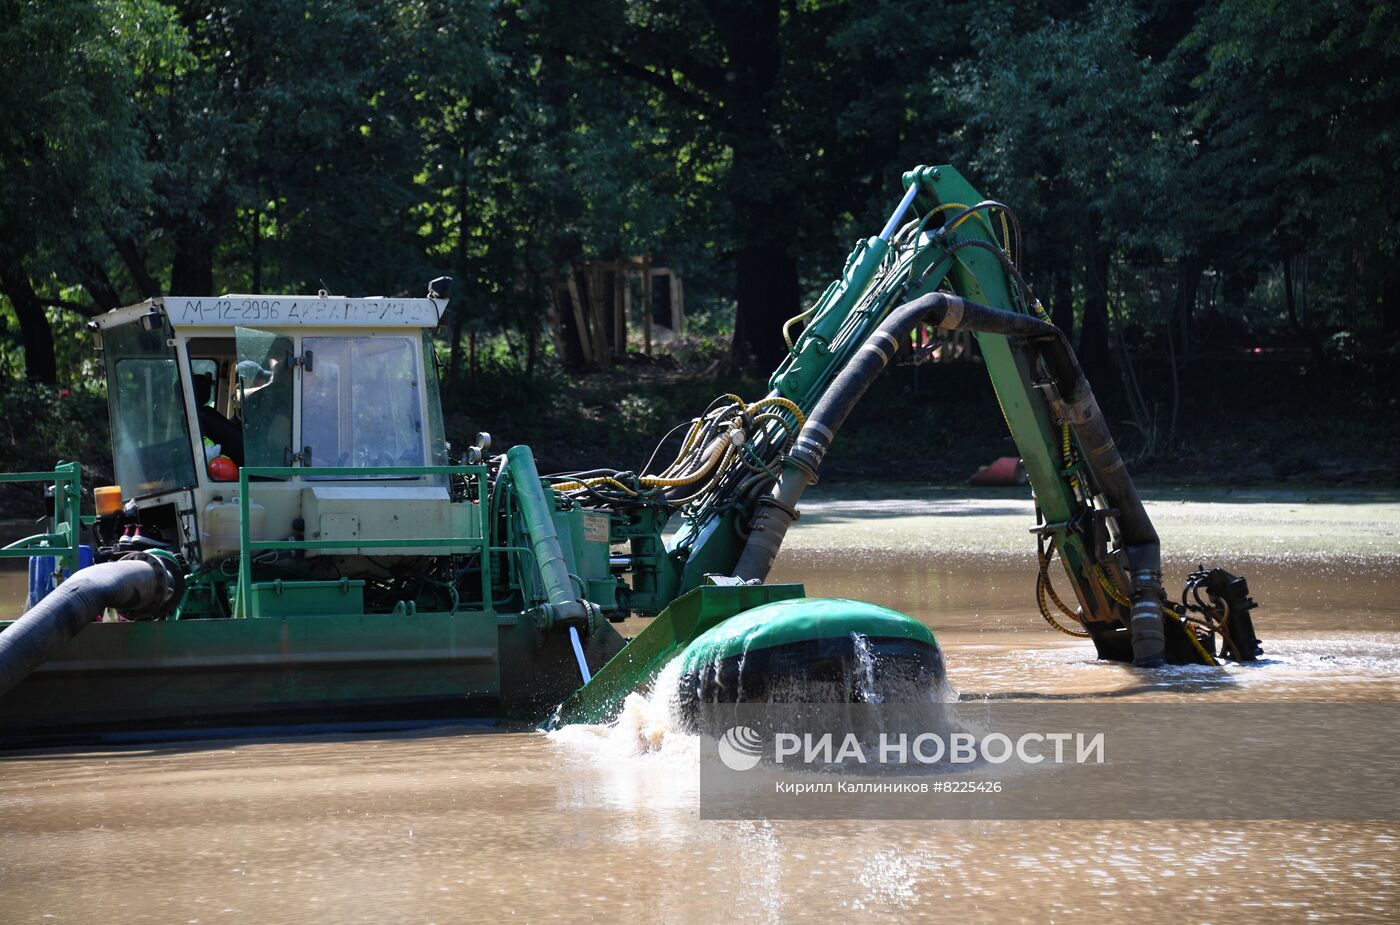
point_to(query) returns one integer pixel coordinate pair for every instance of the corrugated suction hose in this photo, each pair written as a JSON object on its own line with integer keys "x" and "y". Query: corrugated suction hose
{"x": 140, "y": 585}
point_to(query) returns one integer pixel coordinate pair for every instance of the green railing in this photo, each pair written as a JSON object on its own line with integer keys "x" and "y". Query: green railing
{"x": 63, "y": 541}
{"x": 247, "y": 546}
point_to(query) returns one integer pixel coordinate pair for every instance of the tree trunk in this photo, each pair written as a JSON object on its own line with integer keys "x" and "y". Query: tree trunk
{"x": 1188, "y": 285}
{"x": 454, "y": 360}
{"x": 454, "y": 356}
{"x": 146, "y": 284}
{"x": 766, "y": 282}
{"x": 257, "y": 251}
{"x": 768, "y": 295}
{"x": 192, "y": 270}
{"x": 34, "y": 331}
{"x": 1388, "y": 305}
{"x": 99, "y": 285}
{"x": 1290, "y": 302}
{"x": 1093, "y": 335}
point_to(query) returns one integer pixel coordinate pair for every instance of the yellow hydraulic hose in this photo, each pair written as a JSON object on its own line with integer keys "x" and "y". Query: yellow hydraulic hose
{"x": 652, "y": 481}
{"x": 1044, "y": 587}
{"x": 690, "y": 439}
{"x": 781, "y": 403}
{"x": 655, "y": 481}
{"x": 1068, "y": 452}
{"x": 787, "y": 325}
{"x": 769, "y": 402}
{"x": 1206, "y": 657}
{"x": 1110, "y": 587}
{"x": 696, "y": 429}
{"x": 720, "y": 457}
{"x": 949, "y": 206}
{"x": 788, "y": 427}
{"x": 589, "y": 483}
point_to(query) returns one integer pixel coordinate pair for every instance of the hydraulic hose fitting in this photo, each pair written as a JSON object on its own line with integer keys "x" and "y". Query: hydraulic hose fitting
{"x": 807, "y": 454}
{"x": 168, "y": 587}
{"x": 579, "y": 615}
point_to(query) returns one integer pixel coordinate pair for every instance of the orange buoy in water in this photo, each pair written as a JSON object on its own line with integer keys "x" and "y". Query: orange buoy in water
{"x": 1005, "y": 471}
{"x": 223, "y": 469}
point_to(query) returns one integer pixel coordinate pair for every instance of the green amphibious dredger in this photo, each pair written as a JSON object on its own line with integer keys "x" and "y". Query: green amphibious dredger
{"x": 292, "y": 540}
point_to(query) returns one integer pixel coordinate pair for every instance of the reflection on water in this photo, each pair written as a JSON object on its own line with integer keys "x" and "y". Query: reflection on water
{"x": 459, "y": 824}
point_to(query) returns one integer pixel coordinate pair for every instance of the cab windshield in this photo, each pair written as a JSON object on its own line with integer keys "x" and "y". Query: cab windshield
{"x": 361, "y": 404}
{"x": 150, "y": 439}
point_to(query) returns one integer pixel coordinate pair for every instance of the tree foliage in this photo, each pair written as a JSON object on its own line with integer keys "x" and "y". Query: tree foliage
{"x": 1155, "y": 150}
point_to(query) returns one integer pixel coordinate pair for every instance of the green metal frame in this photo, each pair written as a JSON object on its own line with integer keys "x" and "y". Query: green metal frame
{"x": 64, "y": 540}
{"x": 247, "y": 545}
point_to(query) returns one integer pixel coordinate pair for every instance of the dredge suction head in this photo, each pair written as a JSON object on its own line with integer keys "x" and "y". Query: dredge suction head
{"x": 810, "y": 650}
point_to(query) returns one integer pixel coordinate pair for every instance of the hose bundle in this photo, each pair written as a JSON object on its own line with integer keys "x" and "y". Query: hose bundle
{"x": 729, "y": 454}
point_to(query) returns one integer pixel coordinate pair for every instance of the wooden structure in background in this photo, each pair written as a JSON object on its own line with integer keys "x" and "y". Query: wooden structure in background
{"x": 591, "y": 309}
{"x": 933, "y": 345}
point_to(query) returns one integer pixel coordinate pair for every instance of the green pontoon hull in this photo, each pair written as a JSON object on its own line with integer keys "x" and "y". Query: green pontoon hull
{"x": 795, "y": 622}
{"x": 134, "y": 677}
{"x": 186, "y": 674}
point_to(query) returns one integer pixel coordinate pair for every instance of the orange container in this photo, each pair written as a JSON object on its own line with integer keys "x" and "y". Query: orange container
{"x": 108, "y": 499}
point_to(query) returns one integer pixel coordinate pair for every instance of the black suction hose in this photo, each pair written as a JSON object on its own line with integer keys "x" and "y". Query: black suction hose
{"x": 778, "y": 510}
{"x": 139, "y": 585}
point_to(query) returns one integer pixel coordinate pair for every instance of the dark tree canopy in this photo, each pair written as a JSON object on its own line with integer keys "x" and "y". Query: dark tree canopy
{"x": 1158, "y": 150}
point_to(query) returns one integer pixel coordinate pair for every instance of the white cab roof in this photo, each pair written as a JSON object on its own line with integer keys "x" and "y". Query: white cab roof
{"x": 284, "y": 311}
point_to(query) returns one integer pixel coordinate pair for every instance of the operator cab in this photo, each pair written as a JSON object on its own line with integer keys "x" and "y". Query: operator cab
{"x": 200, "y": 387}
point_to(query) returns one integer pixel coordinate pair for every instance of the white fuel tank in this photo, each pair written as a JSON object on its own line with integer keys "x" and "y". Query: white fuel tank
{"x": 218, "y": 528}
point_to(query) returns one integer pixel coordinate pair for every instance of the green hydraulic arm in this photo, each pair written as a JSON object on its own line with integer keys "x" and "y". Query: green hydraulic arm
{"x": 979, "y": 275}
{"x": 935, "y": 240}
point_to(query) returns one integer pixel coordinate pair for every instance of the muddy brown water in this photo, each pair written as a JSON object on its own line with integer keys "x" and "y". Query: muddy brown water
{"x": 455, "y": 825}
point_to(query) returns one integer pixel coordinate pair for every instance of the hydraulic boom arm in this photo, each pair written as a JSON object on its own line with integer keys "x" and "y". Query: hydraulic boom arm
{"x": 945, "y": 258}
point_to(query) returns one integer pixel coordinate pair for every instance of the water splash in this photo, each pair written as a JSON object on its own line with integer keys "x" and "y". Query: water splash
{"x": 648, "y": 724}
{"x": 650, "y": 718}
{"x": 867, "y": 691}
